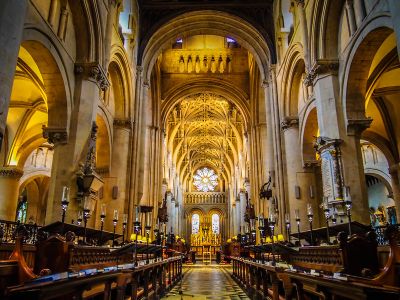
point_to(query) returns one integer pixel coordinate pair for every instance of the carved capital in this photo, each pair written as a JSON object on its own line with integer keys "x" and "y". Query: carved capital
{"x": 265, "y": 84}
{"x": 94, "y": 72}
{"x": 289, "y": 122}
{"x": 320, "y": 67}
{"x": 322, "y": 143}
{"x": 357, "y": 126}
{"x": 311, "y": 164}
{"x": 11, "y": 172}
{"x": 55, "y": 136}
{"x": 123, "y": 123}
{"x": 300, "y": 3}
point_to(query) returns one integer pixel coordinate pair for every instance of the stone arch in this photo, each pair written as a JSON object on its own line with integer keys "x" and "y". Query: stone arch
{"x": 103, "y": 142}
{"x": 308, "y": 131}
{"x": 294, "y": 68}
{"x": 324, "y": 34}
{"x": 88, "y": 30}
{"x": 56, "y": 82}
{"x": 120, "y": 65}
{"x": 207, "y": 22}
{"x": 357, "y": 67}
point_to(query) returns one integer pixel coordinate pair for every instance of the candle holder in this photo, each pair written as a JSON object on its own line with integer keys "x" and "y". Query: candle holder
{"x": 64, "y": 202}
{"x": 86, "y": 216}
{"x": 124, "y": 222}
{"x": 115, "y": 222}
{"x": 310, "y": 216}
{"x": 102, "y": 219}
{"x": 147, "y": 229}
{"x": 327, "y": 216}
{"x": 348, "y": 204}
{"x": 297, "y": 215}
{"x": 287, "y": 223}
{"x": 334, "y": 215}
{"x": 137, "y": 228}
{"x": 80, "y": 218}
{"x": 272, "y": 223}
{"x": 261, "y": 228}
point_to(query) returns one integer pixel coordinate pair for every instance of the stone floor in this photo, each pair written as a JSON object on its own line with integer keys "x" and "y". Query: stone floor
{"x": 207, "y": 283}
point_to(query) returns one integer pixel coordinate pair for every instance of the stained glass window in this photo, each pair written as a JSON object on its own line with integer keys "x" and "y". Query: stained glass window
{"x": 195, "y": 223}
{"x": 205, "y": 180}
{"x": 215, "y": 223}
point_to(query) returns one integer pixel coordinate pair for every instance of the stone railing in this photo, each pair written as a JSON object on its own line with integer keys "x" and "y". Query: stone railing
{"x": 205, "y": 198}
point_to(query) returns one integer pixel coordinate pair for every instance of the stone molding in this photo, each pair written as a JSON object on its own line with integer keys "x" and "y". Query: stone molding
{"x": 321, "y": 67}
{"x": 11, "y": 172}
{"x": 123, "y": 123}
{"x": 95, "y": 73}
{"x": 289, "y": 122}
{"x": 311, "y": 164}
{"x": 357, "y": 126}
{"x": 55, "y": 135}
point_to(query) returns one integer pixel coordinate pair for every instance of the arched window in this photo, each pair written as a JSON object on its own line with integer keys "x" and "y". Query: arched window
{"x": 195, "y": 224}
{"x": 215, "y": 223}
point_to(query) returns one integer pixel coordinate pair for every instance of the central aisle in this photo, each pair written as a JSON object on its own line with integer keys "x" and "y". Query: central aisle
{"x": 206, "y": 283}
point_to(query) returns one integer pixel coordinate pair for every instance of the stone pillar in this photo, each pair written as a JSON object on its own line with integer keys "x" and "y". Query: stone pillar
{"x": 394, "y": 174}
{"x": 297, "y": 176}
{"x": 9, "y": 187}
{"x": 351, "y": 16}
{"x": 71, "y": 143}
{"x": 243, "y": 204}
{"x": 118, "y": 172}
{"x": 111, "y": 22}
{"x": 353, "y": 167}
{"x": 359, "y": 10}
{"x": 394, "y": 6}
{"x": 304, "y": 29}
{"x": 12, "y": 17}
{"x": 238, "y": 221}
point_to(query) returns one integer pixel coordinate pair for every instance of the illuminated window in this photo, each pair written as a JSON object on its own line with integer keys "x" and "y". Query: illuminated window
{"x": 22, "y": 208}
{"x": 178, "y": 44}
{"x": 205, "y": 180}
{"x": 215, "y": 223}
{"x": 195, "y": 224}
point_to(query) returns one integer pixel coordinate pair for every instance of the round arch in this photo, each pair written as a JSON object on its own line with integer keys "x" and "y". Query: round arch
{"x": 57, "y": 83}
{"x": 355, "y": 75}
{"x": 207, "y": 22}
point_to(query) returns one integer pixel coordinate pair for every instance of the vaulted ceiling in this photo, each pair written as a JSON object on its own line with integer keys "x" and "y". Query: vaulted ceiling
{"x": 205, "y": 129}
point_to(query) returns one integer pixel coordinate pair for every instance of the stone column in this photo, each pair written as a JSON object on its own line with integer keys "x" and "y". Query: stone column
{"x": 243, "y": 204}
{"x": 351, "y": 16}
{"x": 12, "y": 17}
{"x": 304, "y": 29}
{"x": 297, "y": 177}
{"x": 71, "y": 143}
{"x": 9, "y": 187}
{"x": 111, "y": 22}
{"x": 359, "y": 10}
{"x": 394, "y": 6}
{"x": 353, "y": 167}
{"x": 394, "y": 174}
{"x": 238, "y": 222}
{"x": 119, "y": 172}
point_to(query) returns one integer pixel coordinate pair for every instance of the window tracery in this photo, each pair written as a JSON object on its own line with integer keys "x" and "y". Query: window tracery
{"x": 205, "y": 180}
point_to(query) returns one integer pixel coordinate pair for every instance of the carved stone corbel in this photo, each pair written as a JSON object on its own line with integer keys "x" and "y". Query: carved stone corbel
{"x": 289, "y": 122}
{"x": 320, "y": 67}
{"x": 55, "y": 135}
{"x": 93, "y": 72}
{"x": 357, "y": 126}
{"x": 11, "y": 172}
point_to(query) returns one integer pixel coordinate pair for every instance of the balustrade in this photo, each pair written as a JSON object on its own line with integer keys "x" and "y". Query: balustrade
{"x": 205, "y": 198}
